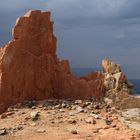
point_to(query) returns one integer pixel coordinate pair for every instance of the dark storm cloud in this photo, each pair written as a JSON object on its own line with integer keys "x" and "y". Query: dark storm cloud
{"x": 95, "y": 11}
{"x": 87, "y": 30}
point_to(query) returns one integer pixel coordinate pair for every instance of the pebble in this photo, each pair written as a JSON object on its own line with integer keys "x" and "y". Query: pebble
{"x": 3, "y": 116}
{"x": 19, "y": 128}
{"x": 106, "y": 127}
{"x": 63, "y": 105}
{"x": 90, "y": 120}
{"x": 57, "y": 107}
{"x": 61, "y": 110}
{"x": 34, "y": 115}
{"x": 79, "y": 109}
{"x": 117, "y": 128}
{"x": 114, "y": 125}
{"x": 72, "y": 113}
{"x": 3, "y": 131}
{"x": 108, "y": 122}
{"x": 33, "y": 124}
{"x": 41, "y": 130}
{"x": 90, "y": 107}
{"x": 78, "y": 101}
{"x": 33, "y": 107}
{"x": 96, "y": 106}
{"x": 29, "y": 103}
{"x": 74, "y": 132}
{"x": 95, "y": 130}
{"x": 95, "y": 112}
{"x": 95, "y": 116}
{"x": 54, "y": 113}
{"x": 71, "y": 121}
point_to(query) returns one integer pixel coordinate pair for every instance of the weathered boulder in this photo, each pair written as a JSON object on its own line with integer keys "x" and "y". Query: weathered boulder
{"x": 30, "y": 69}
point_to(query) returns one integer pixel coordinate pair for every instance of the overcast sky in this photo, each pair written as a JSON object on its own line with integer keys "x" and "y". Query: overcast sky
{"x": 87, "y": 30}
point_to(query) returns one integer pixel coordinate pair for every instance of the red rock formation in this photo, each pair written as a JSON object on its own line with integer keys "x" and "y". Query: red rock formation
{"x": 30, "y": 69}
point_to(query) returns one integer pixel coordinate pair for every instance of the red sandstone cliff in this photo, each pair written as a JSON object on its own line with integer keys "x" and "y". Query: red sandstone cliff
{"x": 30, "y": 69}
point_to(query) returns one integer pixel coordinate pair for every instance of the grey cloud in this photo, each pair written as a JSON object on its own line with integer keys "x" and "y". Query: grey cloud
{"x": 87, "y": 30}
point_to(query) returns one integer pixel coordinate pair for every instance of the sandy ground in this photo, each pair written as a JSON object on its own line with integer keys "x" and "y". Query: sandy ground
{"x": 70, "y": 122}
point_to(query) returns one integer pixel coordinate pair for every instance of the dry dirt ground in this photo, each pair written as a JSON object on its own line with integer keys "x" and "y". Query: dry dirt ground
{"x": 64, "y": 120}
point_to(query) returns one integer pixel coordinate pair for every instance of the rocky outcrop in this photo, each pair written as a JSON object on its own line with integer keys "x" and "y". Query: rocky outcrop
{"x": 30, "y": 69}
{"x": 114, "y": 79}
{"x": 118, "y": 89}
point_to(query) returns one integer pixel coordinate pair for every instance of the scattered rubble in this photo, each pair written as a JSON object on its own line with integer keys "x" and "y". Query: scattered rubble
{"x": 94, "y": 121}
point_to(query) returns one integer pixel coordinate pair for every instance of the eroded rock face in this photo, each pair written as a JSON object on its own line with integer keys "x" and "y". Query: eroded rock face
{"x": 30, "y": 69}
{"x": 114, "y": 79}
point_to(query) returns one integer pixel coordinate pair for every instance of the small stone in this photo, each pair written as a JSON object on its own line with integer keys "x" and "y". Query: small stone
{"x": 54, "y": 113}
{"x": 96, "y": 106}
{"x": 90, "y": 107}
{"x": 95, "y": 112}
{"x": 108, "y": 101}
{"x": 61, "y": 110}
{"x": 27, "y": 118}
{"x": 72, "y": 113}
{"x": 41, "y": 130}
{"x": 108, "y": 122}
{"x": 29, "y": 103}
{"x": 40, "y": 106}
{"x": 95, "y": 130}
{"x": 117, "y": 128}
{"x": 45, "y": 108}
{"x": 53, "y": 122}
{"x": 10, "y": 109}
{"x": 85, "y": 111}
{"x": 33, "y": 107}
{"x": 90, "y": 120}
{"x": 95, "y": 116}
{"x": 74, "y": 132}
{"x": 63, "y": 105}
{"x": 71, "y": 121}
{"x": 79, "y": 109}
{"x": 78, "y": 101}
{"x": 132, "y": 137}
{"x": 33, "y": 124}
{"x": 74, "y": 107}
{"x": 9, "y": 113}
{"x": 20, "y": 113}
{"x": 3, "y": 131}
{"x": 57, "y": 107}
{"x": 19, "y": 128}
{"x": 23, "y": 123}
{"x": 3, "y": 116}
{"x": 88, "y": 103}
{"x": 34, "y": 115}
{"x": 15, "y": 109}
{"x": 106, "y": 127}
{"x": 61, "y": 122}
{"x": 114, "y": 125}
